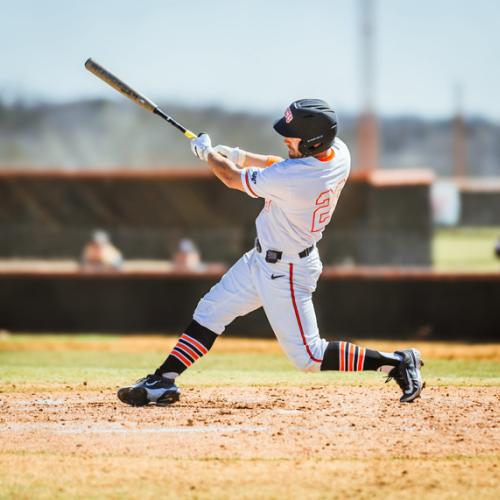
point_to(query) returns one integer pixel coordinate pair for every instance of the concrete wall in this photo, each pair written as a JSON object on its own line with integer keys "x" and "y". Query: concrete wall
{"x": 356, "y": 303}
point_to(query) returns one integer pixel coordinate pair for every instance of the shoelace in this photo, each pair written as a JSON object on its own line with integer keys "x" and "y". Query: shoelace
{"x": 144, "y": 378}
{"x": 396, "y": 375}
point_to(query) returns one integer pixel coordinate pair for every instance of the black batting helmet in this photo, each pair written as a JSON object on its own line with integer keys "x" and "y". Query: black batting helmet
{"x": 312, "y": 120}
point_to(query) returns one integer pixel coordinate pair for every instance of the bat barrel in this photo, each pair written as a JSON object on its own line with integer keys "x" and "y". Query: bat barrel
{"x": 119, "y": 85}
{"x": 112, "y": 80}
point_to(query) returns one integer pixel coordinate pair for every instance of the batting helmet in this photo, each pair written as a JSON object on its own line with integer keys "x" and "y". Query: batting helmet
{"x": 313, "y": 121}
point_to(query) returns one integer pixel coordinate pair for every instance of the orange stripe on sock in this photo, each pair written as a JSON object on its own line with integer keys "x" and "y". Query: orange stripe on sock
{"x": 184, "y": 347}
{"x": 361, "y": 359}
{"x": 341, "y": 356}
{"x": 199, "y": 346}
{"x": 352, "y": 349}
{"x": 181, "y": 358}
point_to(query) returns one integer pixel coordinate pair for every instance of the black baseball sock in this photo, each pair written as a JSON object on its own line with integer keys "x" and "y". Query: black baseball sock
{"x": 347, "y": 357}
{"x": 194, "y": 343}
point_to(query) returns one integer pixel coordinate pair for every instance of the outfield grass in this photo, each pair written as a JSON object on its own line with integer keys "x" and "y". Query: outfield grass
{"x": 466, "y": 249}
{"x": 100, "y": 368}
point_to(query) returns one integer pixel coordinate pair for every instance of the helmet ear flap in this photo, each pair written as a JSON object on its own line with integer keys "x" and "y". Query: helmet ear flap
{"x": 305, "y": 149}
{"x": 318, "y": 147}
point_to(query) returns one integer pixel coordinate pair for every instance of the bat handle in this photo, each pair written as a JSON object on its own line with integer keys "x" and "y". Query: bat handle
{"x": 190, "y": 135}
{"x": 187, "y": 133}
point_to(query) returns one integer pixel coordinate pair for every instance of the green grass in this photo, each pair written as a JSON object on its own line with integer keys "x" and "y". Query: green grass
{"x": 78, "y": 338}
{"x": 466, "y": 249}
{"x": 94, "y": 370}
{"x": 89, "y": 466}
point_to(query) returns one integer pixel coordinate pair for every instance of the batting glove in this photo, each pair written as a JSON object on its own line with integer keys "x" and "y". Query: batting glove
{"x": 201, "y": 146}
{"x": 236, "y": 155}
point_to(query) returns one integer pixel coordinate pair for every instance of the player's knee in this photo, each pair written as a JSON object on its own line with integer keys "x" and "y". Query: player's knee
{"x": 206, "y": 314}
{"x": 306, "y": 364}
{"x": 303, "y": 367}
{"x": 305, "y": 359}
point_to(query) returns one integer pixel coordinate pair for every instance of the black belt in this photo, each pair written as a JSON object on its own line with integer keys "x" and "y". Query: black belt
{"x": 273, "y": 256}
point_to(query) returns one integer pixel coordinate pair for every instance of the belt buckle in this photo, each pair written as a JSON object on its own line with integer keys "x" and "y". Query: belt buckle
{"x": 272, "y": 256}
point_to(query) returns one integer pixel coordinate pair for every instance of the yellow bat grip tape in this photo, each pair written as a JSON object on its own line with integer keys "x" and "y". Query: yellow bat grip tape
{"x": 190, "y": 134}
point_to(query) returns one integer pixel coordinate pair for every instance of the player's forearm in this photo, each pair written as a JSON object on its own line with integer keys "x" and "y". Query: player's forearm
{"x": 225, "y": 170}
{"x": 244, "y": 158}
{"x": 257, "y": 160}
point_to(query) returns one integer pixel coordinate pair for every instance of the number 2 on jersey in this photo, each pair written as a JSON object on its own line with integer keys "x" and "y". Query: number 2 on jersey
{"x": 326, "y": 203}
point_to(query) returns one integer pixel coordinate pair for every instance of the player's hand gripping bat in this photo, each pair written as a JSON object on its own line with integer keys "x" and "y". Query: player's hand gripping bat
{"x": 139, "y": 99}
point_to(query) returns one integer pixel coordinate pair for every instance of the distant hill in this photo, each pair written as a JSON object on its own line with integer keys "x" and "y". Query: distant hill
{"x": 104, "y": 134}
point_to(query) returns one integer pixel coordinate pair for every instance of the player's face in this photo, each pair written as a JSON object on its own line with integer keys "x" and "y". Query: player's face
{"x": 292, "y": 143}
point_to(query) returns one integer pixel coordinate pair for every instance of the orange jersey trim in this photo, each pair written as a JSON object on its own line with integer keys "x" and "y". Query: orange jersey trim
{"x": 329, "y": 156}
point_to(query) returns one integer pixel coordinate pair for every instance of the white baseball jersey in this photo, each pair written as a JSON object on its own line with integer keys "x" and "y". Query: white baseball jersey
{"x": 300, "y": 195}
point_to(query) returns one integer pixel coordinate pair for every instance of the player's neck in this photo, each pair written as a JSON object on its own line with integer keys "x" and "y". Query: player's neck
{"x": 325, "y": 155}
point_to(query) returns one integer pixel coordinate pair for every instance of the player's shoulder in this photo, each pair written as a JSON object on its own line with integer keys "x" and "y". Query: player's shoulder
{"x": 340, "y": 147}
{"x": 290, "y": 163}
{"x": 290, "y": 168}
{"x": 342, "y": 159}
{"x": 280, "y": 167}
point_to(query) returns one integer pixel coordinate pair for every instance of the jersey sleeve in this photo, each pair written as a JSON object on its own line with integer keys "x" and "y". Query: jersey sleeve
{"x": 268, "y": 183}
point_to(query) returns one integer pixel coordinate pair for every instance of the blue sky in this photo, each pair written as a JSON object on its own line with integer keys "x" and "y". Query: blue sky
{"x": 256, "y": 55}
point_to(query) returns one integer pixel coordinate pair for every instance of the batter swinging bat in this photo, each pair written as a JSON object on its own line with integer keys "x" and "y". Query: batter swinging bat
{"x": 129, "y": 92}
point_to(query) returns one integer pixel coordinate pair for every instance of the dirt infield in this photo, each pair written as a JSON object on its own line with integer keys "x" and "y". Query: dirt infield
{"x": 239, "y": 422}
{"x": 248, "y": 424}
{"x": 344, "y": 440}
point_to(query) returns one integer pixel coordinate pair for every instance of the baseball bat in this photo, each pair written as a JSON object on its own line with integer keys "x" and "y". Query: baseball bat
{"x": 133, "y": 95}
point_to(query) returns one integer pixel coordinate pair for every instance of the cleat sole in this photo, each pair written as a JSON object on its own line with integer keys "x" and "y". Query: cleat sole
{"x": 133, "y": 396}
{"x": 168, "y": 399}
{"x": 417, "y": 360}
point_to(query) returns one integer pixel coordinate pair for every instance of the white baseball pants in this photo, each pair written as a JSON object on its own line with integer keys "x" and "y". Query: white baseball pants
{"x": 284, "y": 290}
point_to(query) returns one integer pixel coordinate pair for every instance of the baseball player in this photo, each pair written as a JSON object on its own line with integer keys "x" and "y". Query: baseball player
{"x": 281, "y": 271}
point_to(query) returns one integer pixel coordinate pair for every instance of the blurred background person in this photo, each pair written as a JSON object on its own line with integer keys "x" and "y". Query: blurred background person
{"x": 187, "y": 256}
{"x": 101, "y": 254}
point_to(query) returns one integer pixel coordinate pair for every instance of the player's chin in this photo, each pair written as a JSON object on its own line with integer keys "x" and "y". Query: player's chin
{"x": 294, "y": 154}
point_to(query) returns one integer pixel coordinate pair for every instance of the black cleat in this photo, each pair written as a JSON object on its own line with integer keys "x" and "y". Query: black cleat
{"x": 150, "y": 389}
{"x": 407, "y": 375}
